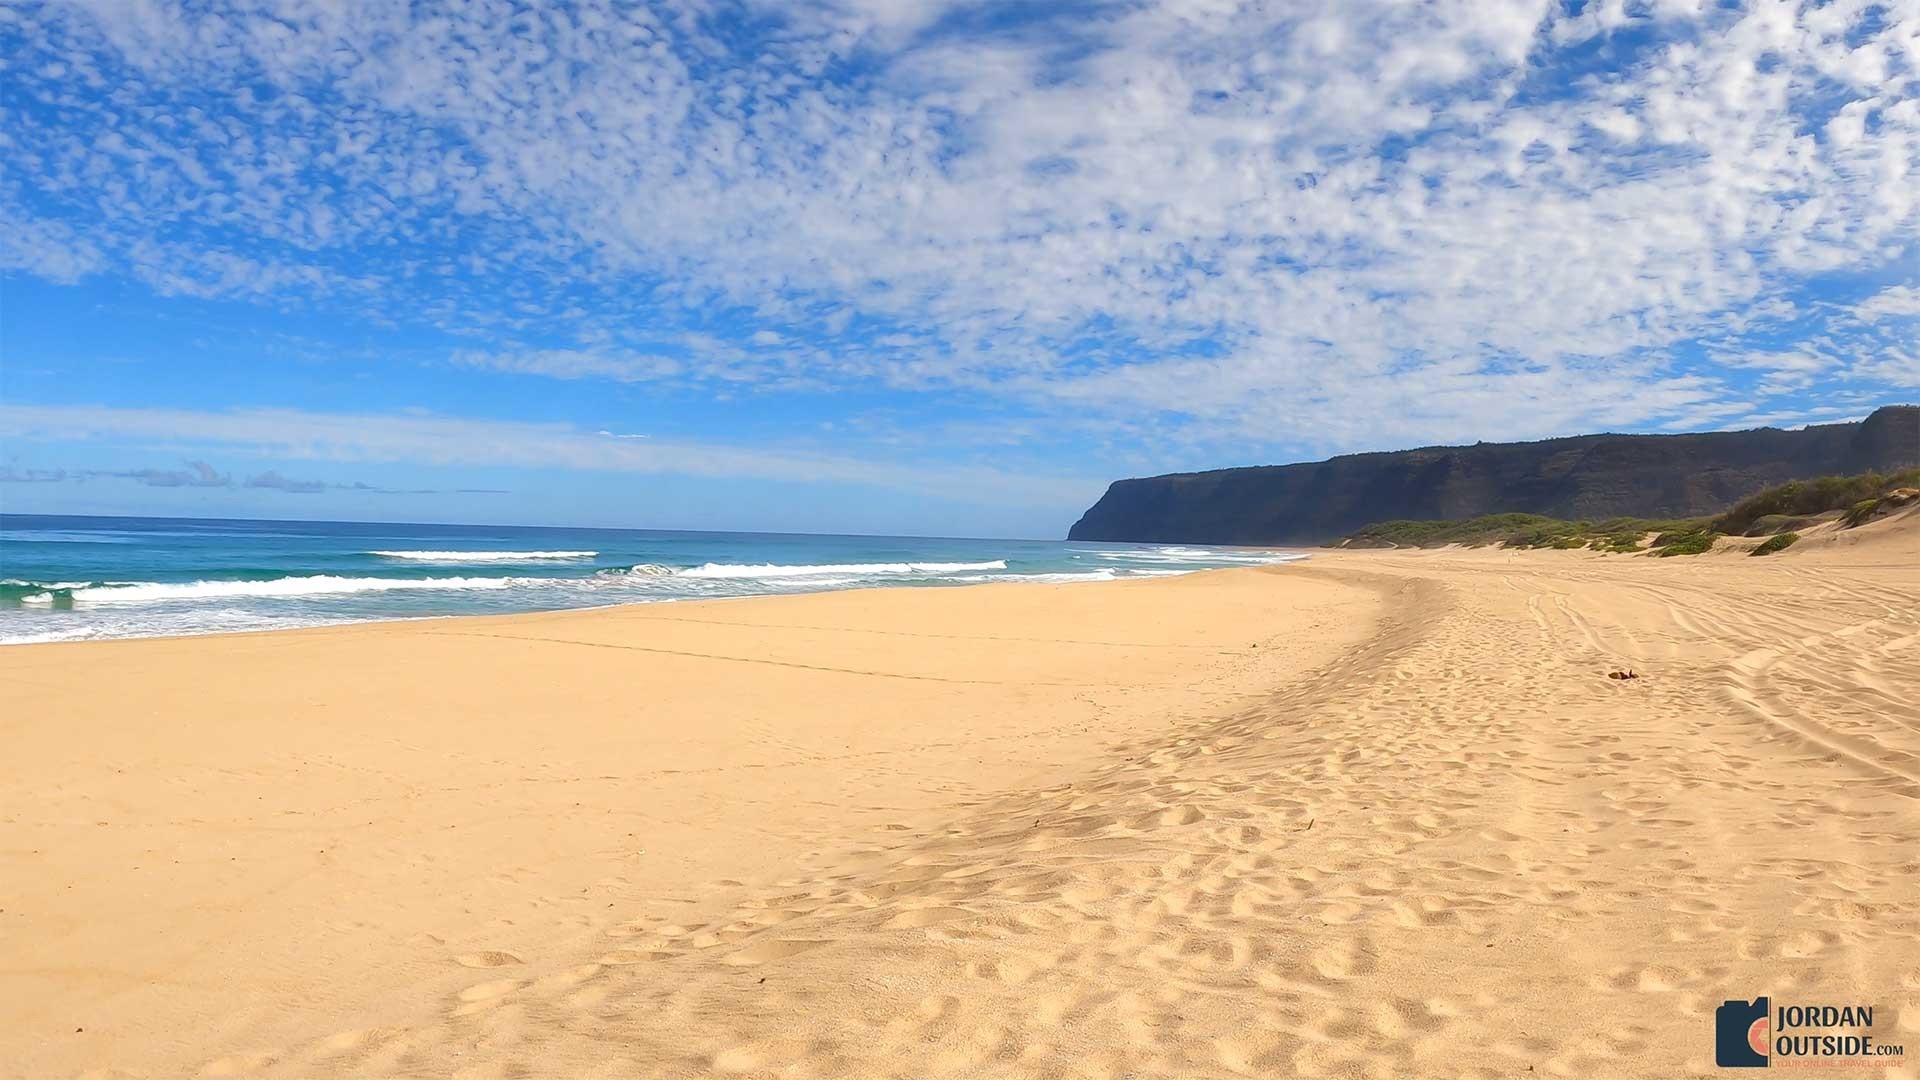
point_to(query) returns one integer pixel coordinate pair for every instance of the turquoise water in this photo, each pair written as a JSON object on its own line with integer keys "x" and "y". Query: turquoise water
{"x": 71, "y": 578}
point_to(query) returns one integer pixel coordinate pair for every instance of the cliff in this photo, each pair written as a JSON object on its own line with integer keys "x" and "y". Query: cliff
{"x": 1584, "y": 477}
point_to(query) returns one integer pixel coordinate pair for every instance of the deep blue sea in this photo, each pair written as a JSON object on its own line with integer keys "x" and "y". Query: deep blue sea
{"x": 70, "y": 578}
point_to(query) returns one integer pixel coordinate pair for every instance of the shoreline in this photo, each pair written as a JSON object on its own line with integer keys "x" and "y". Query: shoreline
{"x": 710, "y": 746}
{"x": 999, "y": 832}
{"x": 1282, "y": 557}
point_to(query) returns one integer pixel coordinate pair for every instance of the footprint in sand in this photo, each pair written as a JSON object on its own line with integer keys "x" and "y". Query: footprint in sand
{"x": 489, "y": 959}
{"x": 919, "y": 917}
{"x": 487, "y": 991}
{"x": 237, "y": 1064}
{"x": 623, "y": 957}
{"x": 776, "y": 949}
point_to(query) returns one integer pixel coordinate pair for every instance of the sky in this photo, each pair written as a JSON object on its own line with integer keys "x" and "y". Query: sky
{"x": 910, "y": 266}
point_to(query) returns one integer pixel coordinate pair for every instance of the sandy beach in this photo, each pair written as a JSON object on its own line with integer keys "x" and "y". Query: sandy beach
{"x": 1377, "y": 814}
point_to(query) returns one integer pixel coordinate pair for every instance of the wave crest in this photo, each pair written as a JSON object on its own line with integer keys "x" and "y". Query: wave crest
{"x": 772, "y": 570}
{"x": 483, "y": 556}
{"x": 316, "y": 585}
{"x": 1177, "y": 554}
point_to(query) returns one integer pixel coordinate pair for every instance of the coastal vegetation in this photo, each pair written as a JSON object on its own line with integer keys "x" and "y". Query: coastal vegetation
{"x": 1859, "y": 512}
{"x": 1775, "y": 512}
{"x": 1684, "y": 542}
{"x": 1762, "y": 514}
{"x": 1523, "y": 531}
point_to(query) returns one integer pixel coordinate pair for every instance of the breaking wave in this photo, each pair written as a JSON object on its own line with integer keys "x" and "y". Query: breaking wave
{"x": 1187, "y": 555}
{"x": 483, "y": 556}
{"x": 316, "y": 585}
{"x": 643, "y": 570}
{"x": 770, "y": 570}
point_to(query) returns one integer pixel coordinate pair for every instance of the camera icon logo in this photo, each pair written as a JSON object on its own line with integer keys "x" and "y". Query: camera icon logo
{"x": 1740, "y": 1034}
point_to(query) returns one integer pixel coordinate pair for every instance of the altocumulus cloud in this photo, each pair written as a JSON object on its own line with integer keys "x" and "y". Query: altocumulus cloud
{"x": 1336, "y": 222}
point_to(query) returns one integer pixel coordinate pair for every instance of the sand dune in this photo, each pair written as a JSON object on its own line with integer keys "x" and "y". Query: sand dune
{"x": 1438, "y": 842}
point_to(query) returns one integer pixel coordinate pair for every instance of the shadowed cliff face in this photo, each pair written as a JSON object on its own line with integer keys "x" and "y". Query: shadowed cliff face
{"x": 1586, "y": 477}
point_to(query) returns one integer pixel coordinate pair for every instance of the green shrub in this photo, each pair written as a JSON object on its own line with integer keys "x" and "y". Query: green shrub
{"x": 1793, "y": 505}
{"x": 1476, "y": 532}
{"x": 1687, "y": 543}
{"x": 1769, "y": 524}
{"x": 1777, "y": 542}
{"x": 1859, "y": 512}
{"x": 1801, "y": 497}
{"x": 1517, "y": 531}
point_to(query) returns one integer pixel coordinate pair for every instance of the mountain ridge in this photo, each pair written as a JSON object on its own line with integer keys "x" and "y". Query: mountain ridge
{"x": 1576, "y": 477}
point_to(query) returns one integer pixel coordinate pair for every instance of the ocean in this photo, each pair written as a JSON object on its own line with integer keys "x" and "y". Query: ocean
{"x": 75, "y": 578}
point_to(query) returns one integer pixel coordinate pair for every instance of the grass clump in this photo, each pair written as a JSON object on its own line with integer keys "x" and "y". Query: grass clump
{"x": 1777, "y": 542}
{"x": 1689, "y": 542}
{"x": 1859, "y": 512}
{"x": 1798, "y": 498}
{"x": 1777, "y": 510}
{"x": 1476, "y": 532}
{"x": 1770, "y": 524}
{"x": 1613, "y": 535}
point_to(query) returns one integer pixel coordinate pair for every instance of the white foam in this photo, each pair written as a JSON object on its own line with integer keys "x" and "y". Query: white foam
{"x": 317, "y": 585}
{"x": 770, "y": 570}
{"x": 1193, "y": 555}
{"x": 483, "y": 556}
{"x": 155, "y": 622}
{"x": 1106, "y": 573}
{"x": 642, "y": 570}
{"x": 82, "y": 633}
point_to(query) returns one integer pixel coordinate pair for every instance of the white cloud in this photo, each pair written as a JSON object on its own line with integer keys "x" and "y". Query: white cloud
{"x": 620, "y": 366}
{"x": 291, "y": 434}
{"x": 1893, "y": 302}
{"x": 1382, "y": 221}
{"x": 197, "y": 474}
{"x": 11, "y": 474}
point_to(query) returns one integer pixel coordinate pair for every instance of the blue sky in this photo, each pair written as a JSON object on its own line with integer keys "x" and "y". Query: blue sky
{"x": 912, "y": 266}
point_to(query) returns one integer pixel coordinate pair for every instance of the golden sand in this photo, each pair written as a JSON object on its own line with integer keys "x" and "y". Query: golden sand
{"x": 1376, "y": 815}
